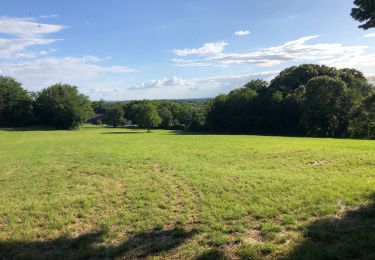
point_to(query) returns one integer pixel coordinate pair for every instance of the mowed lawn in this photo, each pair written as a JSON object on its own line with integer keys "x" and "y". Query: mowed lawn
{"x": 102, "y": 192}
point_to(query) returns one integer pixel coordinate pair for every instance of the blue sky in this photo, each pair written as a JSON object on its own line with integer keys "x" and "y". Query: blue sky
{"x": 120, "y": 50}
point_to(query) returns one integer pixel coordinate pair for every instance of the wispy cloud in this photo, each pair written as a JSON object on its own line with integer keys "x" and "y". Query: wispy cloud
{"x": 25, "y": 33}
{"x": 173, "y": 87}
{"x": 293, "y": 51}
{"x": 230, "y": 81}
{"x": 49, "y": 16}
{"x": 27, "y": 27}
{"x": 14, "y": 48}
{"x": 241, "y": 33}
{"x": 41, "y": 69}
{"x": 42, "y": 72}
{"x": 209, "y": 48}
{"x": 370, "y": 35}
{"x": 161, "y": 83}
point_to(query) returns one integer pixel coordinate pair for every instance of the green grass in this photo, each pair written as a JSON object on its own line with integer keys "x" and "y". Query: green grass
{"x": 104, "y": 192}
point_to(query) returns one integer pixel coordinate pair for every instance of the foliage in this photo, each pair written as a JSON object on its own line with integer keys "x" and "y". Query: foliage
{"x": 147, "y": 116}
{"x": 302, "y": 100}
{"x": 62, "y": 106}
{"x": 362, "y": 122}
{"x": 99, "y": 107}
{"x": 327, "y": 107}
{"x": 284, "y": 106}
{"x": 115, "y": 116}
{"x": 15, "y": 103}
{"x": 364, "y": 12}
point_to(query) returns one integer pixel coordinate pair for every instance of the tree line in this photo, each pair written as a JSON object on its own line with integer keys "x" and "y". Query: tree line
{"x": 59, "y": 106}
{"x": 305, "y": 100}
{"x": 308, "y": 100}
{"x": 149, "y": 114}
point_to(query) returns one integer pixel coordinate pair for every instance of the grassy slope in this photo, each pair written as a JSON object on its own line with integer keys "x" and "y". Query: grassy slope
{"x": 118, "y": 192}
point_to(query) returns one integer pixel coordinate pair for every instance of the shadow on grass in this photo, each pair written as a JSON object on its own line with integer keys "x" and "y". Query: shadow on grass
{"x": 29, "y": 128}
{"x": 89, "y": 246}
{"x": 212, "y": 254}
{"x": 351, "y": 236}
{"x": 121, "y": 133}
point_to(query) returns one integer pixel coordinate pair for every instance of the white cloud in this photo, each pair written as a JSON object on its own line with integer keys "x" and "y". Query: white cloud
{"x": 26, "y": 33}
{"x": 172, "y": 88}
{"x": 26, "y": 27}
{"x": 13, "y": 48}
{"x": 370, "y": 35}
{"x": 49, "y": 16}
{"x": 297, "y": 50}
{"x": 241, "y": 33}
{"x": 161, "y": 83}
{"x": 230, "y": 81}
{"x": 293, "y": 51}
{"x": 192, "y": 63}
{"x": 42, "y": 72}
{"x": 209, "y": 48}
{"x": 41, "y": 69}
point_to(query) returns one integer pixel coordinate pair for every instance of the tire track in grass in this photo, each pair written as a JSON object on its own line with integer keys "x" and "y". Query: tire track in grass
{"x": 182, "y": 209}
{"x": 186, "y": 204}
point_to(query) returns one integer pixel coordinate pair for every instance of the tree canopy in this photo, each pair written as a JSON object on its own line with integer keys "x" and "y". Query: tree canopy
{"x": 309, "y": 99}
{"x": 364, "y": 12}
{"x": 15, "y": 103}
{"x": 115, "y": 116}
{"x": 62, "y": 106}
{"x": 327, "y": 107}
{"x": 147, "y": 116}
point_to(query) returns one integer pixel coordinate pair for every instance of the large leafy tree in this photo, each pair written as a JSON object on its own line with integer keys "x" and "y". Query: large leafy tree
{"x": 147, "y": 116}
{"x": 62, "y": 106}
{"x": 217, "y": 115}
{"x": 115, "y": 116}
{"x": 15, "y": 103}
{"x": 166, "y": 117}
{"x": 292, "y": 78}
{"x": 364, "y": 12}
{"x": 362, "y": 123}
{"x": 327, "y": 107}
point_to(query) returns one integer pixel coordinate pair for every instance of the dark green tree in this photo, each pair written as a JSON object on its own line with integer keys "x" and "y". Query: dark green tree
{"x": 147, "y": 116}
{"x": 100, "y": 107}
{"x": 292, "y": 78}
{"x": 217, "y": 114}
{"x": 362, "y": 123}
{"x": 327, "y": 107}
{"x": 115, "y": 116}
{"x": 15, "y": 103}
{"x": 364, "y": 12}
{"x": 166, "y": 117}
{"x": 62, "y": 106}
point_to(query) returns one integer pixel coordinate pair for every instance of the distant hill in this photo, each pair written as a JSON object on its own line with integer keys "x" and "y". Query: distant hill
{"x": 187, "y": 100}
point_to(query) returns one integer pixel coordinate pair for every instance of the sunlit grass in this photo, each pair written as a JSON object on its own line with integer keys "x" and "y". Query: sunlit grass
{"x": 196, "y": 194}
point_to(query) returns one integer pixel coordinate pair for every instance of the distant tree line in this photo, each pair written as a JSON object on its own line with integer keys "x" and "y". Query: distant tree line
{"x": 309, "y": 100}
{"x": 154, "y": 114}
{"x": 306, "y": 100}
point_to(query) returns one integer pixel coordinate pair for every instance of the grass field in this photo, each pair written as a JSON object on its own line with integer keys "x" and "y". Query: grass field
{"x": 103, "y": 192}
